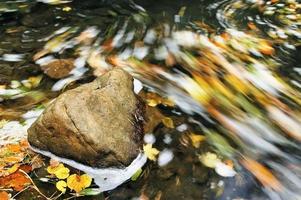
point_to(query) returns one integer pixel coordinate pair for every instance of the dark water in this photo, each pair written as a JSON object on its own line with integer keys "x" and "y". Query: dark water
{"x": 231, "y": 67}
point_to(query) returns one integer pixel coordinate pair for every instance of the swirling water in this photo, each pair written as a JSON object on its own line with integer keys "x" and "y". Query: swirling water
{"x": 231, "y": 67}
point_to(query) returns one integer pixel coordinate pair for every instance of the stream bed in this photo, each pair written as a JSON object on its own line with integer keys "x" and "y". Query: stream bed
{"x": 223, "y": 76}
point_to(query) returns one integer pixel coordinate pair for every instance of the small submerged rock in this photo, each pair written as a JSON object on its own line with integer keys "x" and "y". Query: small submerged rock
{"x": 99, "y": 124}
{"x": 58, "y": 68}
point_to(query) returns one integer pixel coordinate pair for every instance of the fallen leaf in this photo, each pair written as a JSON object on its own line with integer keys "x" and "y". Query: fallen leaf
{"x": 35, "y": 80}
{"x": 54, "y": 162}
{"x": 59, "y": 171}
{"x": 78, "y": 183}
{"x": 168, "y": 122}
{"x": 150, "y": 152}
{"x": 209, "y": 159}
{"x": 196, "y": 139}
{"x": 17, "y": 181}
{"x": 3, "y": 122}
{"x": 61, "y": 186}
{"x": 67, "y": 9}
{"x": 4, "y": 195}
{"x": 10, "y": 170}
{"x": 136, "y": 175}
{"x": 90, "y": 192}
{"x": 37, "y": 162}
{"x": 266, "y": 48}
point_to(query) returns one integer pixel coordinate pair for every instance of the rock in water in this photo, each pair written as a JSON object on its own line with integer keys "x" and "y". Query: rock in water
{"x": 99, "y": 124}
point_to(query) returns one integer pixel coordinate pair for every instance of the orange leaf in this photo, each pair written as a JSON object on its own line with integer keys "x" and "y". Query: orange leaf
{"x": 17, "y": 181}
{"x": 26, "y": 168}
{"x": 14, "y": 147}
{"x": 263, "y": 174}
{"x": 4, "y": 195}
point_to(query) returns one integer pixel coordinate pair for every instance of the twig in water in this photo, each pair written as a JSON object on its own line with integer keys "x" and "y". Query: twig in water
{"x": 34, "y": 185}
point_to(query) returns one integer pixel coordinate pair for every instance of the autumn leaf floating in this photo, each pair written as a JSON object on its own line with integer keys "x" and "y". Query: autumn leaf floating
{"x": 78, "y": 183}
{"x": 60, "y": 171}
{"x": 73, "y": 182}
{"x": 15, "y": 160}
{"x": 61, "y": 186}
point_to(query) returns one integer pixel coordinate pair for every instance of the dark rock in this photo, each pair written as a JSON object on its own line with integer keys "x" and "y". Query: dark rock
{"x": 200, "y": 174}
{"x": 99, "y": 123}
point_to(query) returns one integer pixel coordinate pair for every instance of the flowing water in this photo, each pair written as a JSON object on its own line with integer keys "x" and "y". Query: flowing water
{"x": 232, "y": 69}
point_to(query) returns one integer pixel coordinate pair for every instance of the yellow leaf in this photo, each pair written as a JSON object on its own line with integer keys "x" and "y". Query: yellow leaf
{"x": 35, "y": 80}
{"x": 59, "y": 171}
{"x": 167, "y": 121}
{"x": 6, "y": 172}
{"x": 3, "y": 122}
{"x": 67, "y": 9}
{"x": 152, "y": 102}
{"x": 196, "y": 139}
{"x": 209, "y": 159}
{"x": 78, "y": 183}
{"x": 61, "y": 186}
{"x": 150, "y": 152}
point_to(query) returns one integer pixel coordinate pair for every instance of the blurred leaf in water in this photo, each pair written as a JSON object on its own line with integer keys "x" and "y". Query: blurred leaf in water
{"x": 153, "y": 99}
{"x": 67, "y": 9}
{"x": 263, "y": 174}
{"x": 209, "y": 159}
{"x": 196, "y": 139}
{"x": 3, "y": 122}
{"x": 55, "y": 2}
{"x": 168, "y": 122}
{"x": 14, "y": 6}
{"x": 220, "y": 143}
{"x": 150, "y": 152}
{"x": 137, "y": 174}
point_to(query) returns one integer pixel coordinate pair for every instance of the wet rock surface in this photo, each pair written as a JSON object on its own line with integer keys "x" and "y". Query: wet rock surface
{"x": 99, "y": 124}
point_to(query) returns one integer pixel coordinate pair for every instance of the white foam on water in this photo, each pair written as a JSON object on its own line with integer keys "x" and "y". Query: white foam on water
{"x": 106, "y": 178}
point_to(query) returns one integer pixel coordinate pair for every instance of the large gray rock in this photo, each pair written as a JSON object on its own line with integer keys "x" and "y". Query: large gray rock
{"x": 99, "y": 124}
